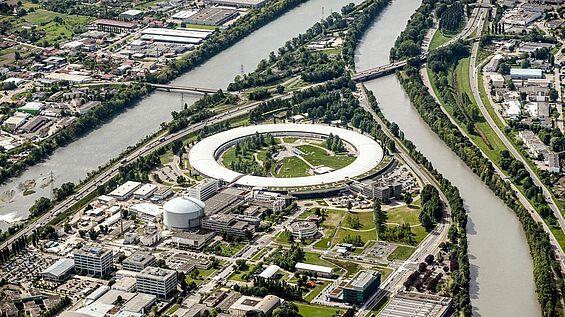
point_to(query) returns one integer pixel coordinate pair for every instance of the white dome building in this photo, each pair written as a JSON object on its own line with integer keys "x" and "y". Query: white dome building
{"x": 183, "y": 213}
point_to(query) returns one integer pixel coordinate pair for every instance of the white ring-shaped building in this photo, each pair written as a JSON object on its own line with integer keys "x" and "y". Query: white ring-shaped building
{"x": 205, "y": 154}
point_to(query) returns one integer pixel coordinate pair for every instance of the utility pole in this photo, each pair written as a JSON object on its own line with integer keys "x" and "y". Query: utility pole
{"x": 322, "y": 12}
{"x": 182, "y": 101}
{"x": 241, "y": 69}
{"x": 52, "y": 184}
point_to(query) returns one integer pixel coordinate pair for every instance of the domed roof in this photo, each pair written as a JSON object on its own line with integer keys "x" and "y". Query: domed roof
{"x": 184, "y": 205}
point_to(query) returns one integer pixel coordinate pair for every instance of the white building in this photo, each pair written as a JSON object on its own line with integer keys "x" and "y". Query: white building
{"x": 138, "y": 261}
{"x": 147, "y": 212}
{"x": 324, "y": 271}
{"x": 157, "y": 281}
{"x": 125, "y": 191}
{"x": 145, "y": 191}
{"x": 204, "y": 190}
{"x": 94, "y": 261}
{"x": 58, "y": 271}
{"x": 497, "y": 80}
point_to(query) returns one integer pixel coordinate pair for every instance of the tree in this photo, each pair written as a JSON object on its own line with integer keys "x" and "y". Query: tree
{"x": 553, "y": 94}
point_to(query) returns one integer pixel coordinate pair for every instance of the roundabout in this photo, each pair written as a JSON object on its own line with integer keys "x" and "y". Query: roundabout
{"x": 205, "y": 157}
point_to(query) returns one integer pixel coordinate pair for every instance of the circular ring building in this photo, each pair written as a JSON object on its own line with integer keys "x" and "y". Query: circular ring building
{"x": 205, "y": 154}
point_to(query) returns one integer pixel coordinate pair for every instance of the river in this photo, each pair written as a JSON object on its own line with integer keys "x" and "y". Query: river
{"x": 501, "y": 267}
{"x": 73, "y": 162}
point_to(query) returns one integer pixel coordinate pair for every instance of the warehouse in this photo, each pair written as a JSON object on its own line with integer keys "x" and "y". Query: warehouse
{"x": 59, "y": 271}
{"x": 324, "y": 271}
{"x": 254, "y": 4}
{"x": 213, "y": 16}
{"x": 125, "y": 191}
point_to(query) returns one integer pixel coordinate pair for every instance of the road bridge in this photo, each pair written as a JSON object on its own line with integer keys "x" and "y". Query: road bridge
{"x": 180, "y": 88}
{"x": 379, "y": 71}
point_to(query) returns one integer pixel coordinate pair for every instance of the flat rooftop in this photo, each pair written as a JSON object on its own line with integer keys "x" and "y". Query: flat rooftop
{"x": 415, "y": 304}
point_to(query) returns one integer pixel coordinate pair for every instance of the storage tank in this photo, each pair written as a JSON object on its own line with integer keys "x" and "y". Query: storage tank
{"x": 183, "y": 213}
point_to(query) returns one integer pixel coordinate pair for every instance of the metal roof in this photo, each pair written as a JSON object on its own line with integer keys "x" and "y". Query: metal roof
{"x": 60, "y": 267}
{"x": 203, "y": 155}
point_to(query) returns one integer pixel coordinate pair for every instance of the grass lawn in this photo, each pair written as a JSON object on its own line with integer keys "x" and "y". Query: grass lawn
{"x": 292, "y": 167}
{"x": 201, "y": 27}
{"x": 351, "y": 267}
{"x": 201, "y": 277}
{"x": 231, "y": 249}
{"x": 259, "y": 254}
{"x": 318, "y": 156}
{"x": 365, "y": 219}
{"x": 405, "y": 214}
{"x": 366, "y": 235}
{"x": 331, "y": 51}
{"x": 172, "y": 310}
{"x": 402, "y": 252}
{"x": 308, "y": 310}
{"x": 322, "y": 202}
{"x": 440, "y": 38}
{"x": 315, "y": 291}
{"x": 239, "y": 275}
{"x": 167, "y": 157}
{"x": 314, "y": 258}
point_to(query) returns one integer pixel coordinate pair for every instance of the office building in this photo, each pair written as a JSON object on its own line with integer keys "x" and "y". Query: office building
{"x": 138, "y": 261}
{"x": 191, "y": 240}
{"x": 229, "y": 224}
{"x": 361, "y": 287}
{"x": 204, "y": 190}
{"x": 254, "y": 306}
{"x": 157, "y": 281}
{"x": 94, "y": 261}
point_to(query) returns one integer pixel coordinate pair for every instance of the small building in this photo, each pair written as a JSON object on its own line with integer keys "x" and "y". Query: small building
{"x": 251, "y": 306}
{"x": 362, "y": 287}
{"x": 138, "y": 261}
{"x": 130, "y": 15}
{"x": 497, "y": 80}
{"x": 513, "y": 110}
{"x": 163, "y": 192}
{"x": 319, "y": 270}
{"x": 16, "y": 121}
{"x": 270, "y": 272}
{"x": 59, "y": 271}
{"x": 303, "y": 229}
{"x": 191, "y": 240}
{"x": 526, "y": 73}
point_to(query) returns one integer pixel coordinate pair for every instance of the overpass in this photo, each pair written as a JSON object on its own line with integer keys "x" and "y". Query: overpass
{"x": 379, "y": 71}
{"x": 179, "y": 88}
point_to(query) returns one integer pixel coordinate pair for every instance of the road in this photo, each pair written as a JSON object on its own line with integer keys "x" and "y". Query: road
{"x": 521, "y": 197}
{"x": 473, "y": 71}
{"x": 430, "y": 245}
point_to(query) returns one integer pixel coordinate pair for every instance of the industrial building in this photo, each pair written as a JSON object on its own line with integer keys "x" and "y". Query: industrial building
{"x": 178, "y": 36}
{"x": 303, "y": 229}
{"x": 361, "y": 287}
{"x": 125, "y": 191}
{"x": 183, "y": 213}
{"x": 157, "y": 281}
{"x": 204, "y": 190}
{"x": 212, "y": 16}
{"x": 138, "y": 261}
{"x": 254, "y": 4}
{"x": 145, "y": 191}
{"x": 526, "y": 73}
{"x": 114, "y": 26}
{"x": 405, "y": 304}
{"x": 191, "y": 240}
{"x": 147, "y": 212}
{"x": 59, "y": 271}
{"x": 323, "y": 271}
{"x": 229, "y": 224}
{"x": 93, "y": 261}
{"x": 225, "y": 201}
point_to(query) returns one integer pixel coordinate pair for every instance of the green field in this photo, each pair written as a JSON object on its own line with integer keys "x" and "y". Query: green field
{"x": 203, "y": 274}
{"x": 314, "y": 258}
{"x": 238, "y": 276}
{"x": 308, "y": 310}
{"x": 55, "y": 32}
{"x": 405, "y": 214}
{"x": 292, "y": 167}
{"x": 439, "y": 39}
{"x": 318, "y": 156}
{"x": 402, "y": 252}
